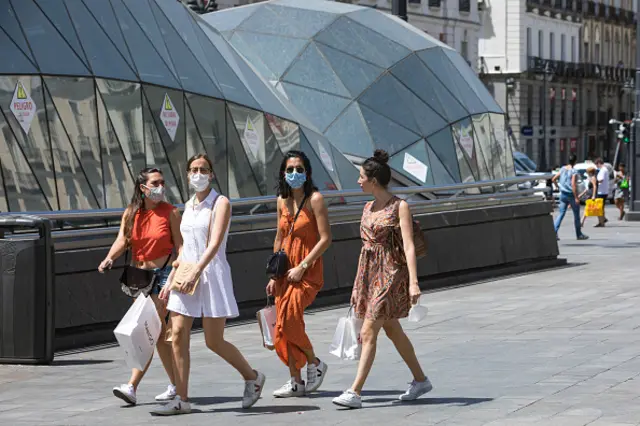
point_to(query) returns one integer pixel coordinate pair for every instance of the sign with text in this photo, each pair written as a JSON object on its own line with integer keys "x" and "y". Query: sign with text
{"x": 23, "y": 107}
{"x": 170, "y": 117}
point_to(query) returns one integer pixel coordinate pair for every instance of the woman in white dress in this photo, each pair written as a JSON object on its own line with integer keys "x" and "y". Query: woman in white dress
{"x": 213, "y": 300}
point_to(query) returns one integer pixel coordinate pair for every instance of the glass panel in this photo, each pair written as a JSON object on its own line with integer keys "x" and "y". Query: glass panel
{"x": 195, "y": 146}
{"x": 103, "y": 13}
{"x": 500, "y": 148}
{"x": 230, "y": 19}
{"x": 312, "y": 71}
{"x": 228, "y": 82}
{"x": 349, "y": 173}
{"x": 423, "y": 83}
{"x": 174, "y": 147}
{"x": 151, "y": 68}
{"x": 413, "y": 162}
{"x": 144, "y": 17}
{"x": 464, "y": 149}
{"x": 75, "y": 102}
{"x": 394, "y": 29}
{"x": 482, "y": 136}
{"x": 349, "y": 133}
{"x": 322, "y": 149}
{"x": 9, "y": 23}
{"x": 287, "y": 21}
{"x": 444, "y": 149}
{"x": 287, "y": 133}
{"x": 386, "y": 134}
{"x": 123, "y": 103}
{"x": 74, "y": 190}
{"x": 191, "y": 72}
{"x": 441, "y": 175}
{"x": 390, "y": 98}
{"x": 57, "y": 13}
{"x": 260, "y": 145}
{"x": 438, "y": 62}
{"x": 209, "y": 116}
{"x": 321, "y": 108}
{"x": 106, "y": 60}
{"x": 242, "y": 181}
{"x": 320, "y": 6}
{"x": 22, "y": 189}
{"x": 155, "y": 155}
{"x": 473, "y": 81}
{"x": 53, "y": 54}
{"x": 118, "y": 180}
{"x": 13, "y": 60}
{"x": 271, "y": 55}
{"x": 319, "y": 174}
{"x": 355, "y": 74}
{"x": 35, "y": 145}
{"x": 352, "y": 38}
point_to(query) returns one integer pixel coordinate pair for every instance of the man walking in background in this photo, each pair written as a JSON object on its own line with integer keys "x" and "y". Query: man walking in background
{"x": 603, "y": 189}
{"x": 566, "y": 180}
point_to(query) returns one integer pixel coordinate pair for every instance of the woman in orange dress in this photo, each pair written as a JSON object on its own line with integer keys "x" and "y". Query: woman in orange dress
{"x": 304, "y": 242}
{"x": 386, "y": 285}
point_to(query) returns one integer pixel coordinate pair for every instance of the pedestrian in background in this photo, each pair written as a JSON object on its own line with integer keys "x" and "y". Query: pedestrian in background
{"x": 603, "y": 189}
{"x": 568, "y": 187}
{"x": 622, "y": 189}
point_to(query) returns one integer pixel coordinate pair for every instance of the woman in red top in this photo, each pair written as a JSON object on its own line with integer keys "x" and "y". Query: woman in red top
{"x": 150, "y": 228}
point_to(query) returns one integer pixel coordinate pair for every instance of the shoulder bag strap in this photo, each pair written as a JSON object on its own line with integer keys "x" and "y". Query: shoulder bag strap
{"x": 297, "y": 214}
{"x": 213, "y": 207}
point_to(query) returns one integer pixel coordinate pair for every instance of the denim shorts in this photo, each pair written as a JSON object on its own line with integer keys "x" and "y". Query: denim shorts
{"x": 162, "y": 274}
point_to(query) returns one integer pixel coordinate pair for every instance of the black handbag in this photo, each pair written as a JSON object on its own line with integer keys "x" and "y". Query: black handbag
{"x": 135, "y": 281}
{"x": 278, "y": 262}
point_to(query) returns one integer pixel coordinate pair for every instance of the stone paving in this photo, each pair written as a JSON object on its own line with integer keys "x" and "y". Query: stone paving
{"x": 558, "y": 347}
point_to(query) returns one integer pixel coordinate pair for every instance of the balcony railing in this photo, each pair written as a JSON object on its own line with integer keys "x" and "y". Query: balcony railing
{"x": 563, "y": 69}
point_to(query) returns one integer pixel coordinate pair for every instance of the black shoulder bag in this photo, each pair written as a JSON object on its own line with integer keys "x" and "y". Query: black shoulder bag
{"x": 135, "y": 281}
{"x": 278, "y": 262}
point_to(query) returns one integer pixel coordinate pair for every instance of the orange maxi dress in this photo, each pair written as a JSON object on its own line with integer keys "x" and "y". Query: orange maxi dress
{"x": 293, "y": 298}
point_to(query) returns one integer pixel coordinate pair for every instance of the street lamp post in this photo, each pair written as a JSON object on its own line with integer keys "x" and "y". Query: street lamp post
{"x": 634, "y": 210}
{"x": 399, "y": 9}
{"x": 546, "y": 72}
{"x": 628, "y": 89}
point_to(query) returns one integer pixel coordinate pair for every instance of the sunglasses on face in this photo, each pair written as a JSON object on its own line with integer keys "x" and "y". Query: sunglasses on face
{"x": 298, "y": 169}
{"x": 203, "y": 170}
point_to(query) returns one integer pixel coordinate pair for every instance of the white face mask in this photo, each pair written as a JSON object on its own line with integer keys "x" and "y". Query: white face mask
{"x": 156, "y": 193}
{"x": 199, "y": 182}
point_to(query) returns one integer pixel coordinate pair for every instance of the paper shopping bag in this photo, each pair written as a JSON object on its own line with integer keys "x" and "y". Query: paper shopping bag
{"x": 138, "y": 332}
{"x": 267, "y": 322}
{"x": 594, "y": 207}
{"x": 346, "y": 343}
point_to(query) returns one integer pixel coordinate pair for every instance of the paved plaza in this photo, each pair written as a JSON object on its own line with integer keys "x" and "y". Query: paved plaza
{"x": 557, "y": 347}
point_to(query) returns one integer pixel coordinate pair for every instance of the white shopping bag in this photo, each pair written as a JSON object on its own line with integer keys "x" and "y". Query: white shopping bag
{"x": 138, "y": 332}
{"x": 346, "y": 343}
{"x": 417, "y": 312}
{"x": 267, "y": 322}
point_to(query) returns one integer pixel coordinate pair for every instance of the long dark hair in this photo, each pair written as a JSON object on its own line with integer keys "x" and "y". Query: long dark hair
{"x": 137, "y": 200}
{"x": 284, "y": 190}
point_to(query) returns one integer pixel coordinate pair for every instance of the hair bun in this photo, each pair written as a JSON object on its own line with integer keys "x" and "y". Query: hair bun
{"x": 381, "y": 156}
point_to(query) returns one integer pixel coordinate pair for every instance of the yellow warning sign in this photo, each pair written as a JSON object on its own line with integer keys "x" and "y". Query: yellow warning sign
{"x": 167, "y": 103}
{"x": 21, "y": 92}
{"x": 249, "y": 126}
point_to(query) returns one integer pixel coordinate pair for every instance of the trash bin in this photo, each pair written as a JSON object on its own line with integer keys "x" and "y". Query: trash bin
{"x": 27, "y": 326}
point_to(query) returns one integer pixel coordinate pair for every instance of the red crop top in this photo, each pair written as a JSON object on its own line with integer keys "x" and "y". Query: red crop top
{"x": 151, "y": 233}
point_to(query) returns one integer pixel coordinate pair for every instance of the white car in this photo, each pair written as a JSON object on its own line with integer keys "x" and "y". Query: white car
{"x": 581, "y": 168}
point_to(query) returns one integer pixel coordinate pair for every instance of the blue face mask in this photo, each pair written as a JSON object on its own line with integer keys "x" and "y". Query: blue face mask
{"x": 295, "y": 180}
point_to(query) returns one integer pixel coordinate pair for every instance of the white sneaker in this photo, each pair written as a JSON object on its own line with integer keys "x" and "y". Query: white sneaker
{"x": 315, "y": 376}
{"x": 167, "y": 395}
{"x": 126, "y": 393}
{"x": 290, "y": 389}
{"x": 176, "y": 406}
{"x": 253, "y": 390}
{"x": 416, "y": 390}
{"x": 348, "y": 399}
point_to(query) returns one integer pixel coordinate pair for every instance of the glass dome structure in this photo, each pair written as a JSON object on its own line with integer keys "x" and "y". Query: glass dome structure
{"x": 369, "y": 80}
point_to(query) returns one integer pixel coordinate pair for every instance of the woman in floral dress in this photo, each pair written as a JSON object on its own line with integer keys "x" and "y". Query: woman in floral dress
{"x": 386, "y": 285}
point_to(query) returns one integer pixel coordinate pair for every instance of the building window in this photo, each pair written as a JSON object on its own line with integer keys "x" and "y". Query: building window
{"x": 585, "y": 52}
{"x": 563, "y": 112}
{"x": 552, "y": 50}
{"x": 573, "y": 49}
{"x": 574, "y": 110}
{"x": 552, "y": 110}
{"x": 540, "y": 44}
{"x": 464, "y": 5}
{"x": 529, "y": 50}
{"x": 464, "y": 47}
{"x": 562, "y": 47}
{"x": 529, "y": 105}
{"x": 540, "y": 102}
{"x": 596, "y": 53}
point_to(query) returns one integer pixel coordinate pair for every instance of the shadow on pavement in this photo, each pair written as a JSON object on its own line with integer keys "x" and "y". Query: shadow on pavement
{"x": 211, "y": 400}
{"x": 365, "y": 394}
{"x": 73, "y": 362}
{"x": 460, "y": 401}
{"x": 262, "y": 409}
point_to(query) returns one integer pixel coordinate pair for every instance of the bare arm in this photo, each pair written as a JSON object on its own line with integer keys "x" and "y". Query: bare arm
{"x": 321, "y": 213}
{"x": 277, "y": 243}
{"x": 176, "y": 236}
{"x": 406, "y": 227}
{"x": 216, "y": 235}
{"x": 556, "y": 177}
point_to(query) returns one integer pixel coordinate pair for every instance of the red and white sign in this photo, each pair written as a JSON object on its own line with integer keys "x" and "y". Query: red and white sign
{"x": 573, "y": 144}
{"x": 170, "y": 117}
{"x": 23, "y": 107}
{"x": 562, "y": 142}
{"x": 574, "y": 94}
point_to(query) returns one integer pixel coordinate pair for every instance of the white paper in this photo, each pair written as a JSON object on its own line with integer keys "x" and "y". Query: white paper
{"x": 170, "y": 117}
{"x": 252, "y": 137}
{"x": 325, "y": 157}
{"x": 466, "y": 142}
{"x": 23, "y": 107}
{"x": 415, "y": 167}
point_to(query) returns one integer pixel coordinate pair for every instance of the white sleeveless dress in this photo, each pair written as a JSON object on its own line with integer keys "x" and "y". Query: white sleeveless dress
{"x": 214, "y": 296}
